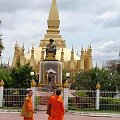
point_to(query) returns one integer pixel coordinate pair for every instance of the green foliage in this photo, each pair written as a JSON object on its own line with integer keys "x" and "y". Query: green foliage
{"x": 81, "y": 93}
{"x": 82, "y": 80}
{"x": 17, "y": 77}
{"x": 108, "y": 103}
{"x": 37, "y": 102}
{"x": 21, "y": 76}
{"x": 5, "y": 76}
{"x": 88, "y": 79}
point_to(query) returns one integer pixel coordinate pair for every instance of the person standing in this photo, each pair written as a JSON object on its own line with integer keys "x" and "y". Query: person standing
{"x": 27, "y": 109}
{"x": 56, "y": 106}
{"x": 49, "y": 106}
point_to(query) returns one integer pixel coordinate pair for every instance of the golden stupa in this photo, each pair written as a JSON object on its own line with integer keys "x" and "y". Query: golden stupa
{"x": 70, "y": 61}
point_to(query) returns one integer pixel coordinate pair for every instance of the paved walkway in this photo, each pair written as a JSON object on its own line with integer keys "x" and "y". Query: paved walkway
{"x": 41, "y": 115}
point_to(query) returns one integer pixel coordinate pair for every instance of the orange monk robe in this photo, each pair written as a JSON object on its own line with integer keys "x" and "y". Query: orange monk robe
{"x": 57, "y": 108}
{"x": 49, "y": 118}
{"x": 29, "y": 107}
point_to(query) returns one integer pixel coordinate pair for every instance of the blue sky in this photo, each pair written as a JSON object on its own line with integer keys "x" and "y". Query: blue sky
{"x": 82, "y": 22}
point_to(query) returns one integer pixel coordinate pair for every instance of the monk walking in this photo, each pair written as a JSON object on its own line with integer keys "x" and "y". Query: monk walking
{"x": 56, "y": 106}
{"x": 27, "y": 109}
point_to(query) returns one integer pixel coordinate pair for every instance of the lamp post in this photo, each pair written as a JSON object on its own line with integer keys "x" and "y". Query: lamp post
{"x": 66, "y": 91}
{"x": 33, "y": 83}
{"x": 32, "y": 74}
{"x": 67, "y": 81}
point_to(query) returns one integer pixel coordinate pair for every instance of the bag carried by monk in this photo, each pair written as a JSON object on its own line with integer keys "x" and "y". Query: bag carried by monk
{"x": 25, "y": 112}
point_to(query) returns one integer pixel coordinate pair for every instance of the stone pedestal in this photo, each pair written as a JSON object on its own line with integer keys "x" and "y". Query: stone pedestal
{"x": 50, "y": 74}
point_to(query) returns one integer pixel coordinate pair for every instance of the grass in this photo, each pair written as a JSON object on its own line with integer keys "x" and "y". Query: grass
{"x": 9, "y": 108}
{"x": 95, "y": 111}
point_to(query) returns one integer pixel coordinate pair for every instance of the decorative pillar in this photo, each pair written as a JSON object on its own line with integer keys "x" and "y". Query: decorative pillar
{"x": 1, "y": 92}
{"x": 97, "y": 95}
{"x": 65, "y": 94}
{"x": 33, "y": 84}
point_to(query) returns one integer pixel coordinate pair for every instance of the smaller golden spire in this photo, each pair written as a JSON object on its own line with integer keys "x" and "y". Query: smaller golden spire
{"x": 62, "y": 55}
{"x": 90, "y": 45}
{"x": 32, "y": 51}
{"x": 23, "y": 46}
{"x": 28, "y": 50}
{"x": 72, "y": 53}
{"x": 62, "y": 49}
{"x": 72, "y": 48}
{"x": 82, "y": 48}
{"x": 33, "y": 46}
{"x": 16, "y": 43}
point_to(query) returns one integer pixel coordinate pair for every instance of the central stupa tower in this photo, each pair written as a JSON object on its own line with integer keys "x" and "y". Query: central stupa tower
{"x": 71, "y": 61}
{"x": 53, "y": 31}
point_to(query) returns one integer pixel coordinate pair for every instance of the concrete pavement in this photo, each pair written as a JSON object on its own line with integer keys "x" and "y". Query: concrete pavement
{"x": 41, "y": 115}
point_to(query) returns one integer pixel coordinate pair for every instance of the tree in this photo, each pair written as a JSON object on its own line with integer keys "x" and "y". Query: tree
{"x": 82, "y": 80}
{"x": 5, "y": 72}
{"x": 21, "y": 76}
{"x": 113, "y": 65}
{"x": 88, "y": 79}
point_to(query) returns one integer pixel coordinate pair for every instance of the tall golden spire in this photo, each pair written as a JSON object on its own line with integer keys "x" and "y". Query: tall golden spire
{"x": 53, "y": 14}
{"x": 53, "y": 19}
{"x": 53, "y": 28}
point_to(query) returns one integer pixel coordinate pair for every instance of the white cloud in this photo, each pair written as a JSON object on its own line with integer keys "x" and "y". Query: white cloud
{"x": 82, "y": 22}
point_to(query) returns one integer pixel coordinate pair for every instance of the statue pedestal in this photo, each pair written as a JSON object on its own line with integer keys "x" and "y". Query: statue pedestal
{"x": 50, "y": 56}
{"x": 50, "y": 74}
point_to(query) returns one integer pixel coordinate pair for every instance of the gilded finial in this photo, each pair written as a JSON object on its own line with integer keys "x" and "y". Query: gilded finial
{"x": 16, "y": 45}
{"x": 72, "y": 48}
{"x": 33, "y": 83}
{"x": 82, "y": 48}
{"x": 1, "y": 83}
{"x": 90, "y": 46}
{"x": 23, "y": 46}
{"x": 98, "y": 86}
{"x": 33, "y": 46}
{"x": 28, "y": 50}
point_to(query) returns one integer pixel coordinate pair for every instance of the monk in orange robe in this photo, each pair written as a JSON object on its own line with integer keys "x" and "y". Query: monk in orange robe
{"x": 48, "y": 106}
{"x": 27, "y": 109}
{"x": 56, "y": 104}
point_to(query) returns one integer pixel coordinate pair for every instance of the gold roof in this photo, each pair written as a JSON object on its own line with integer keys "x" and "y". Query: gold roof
{"x": 37, "y": 54}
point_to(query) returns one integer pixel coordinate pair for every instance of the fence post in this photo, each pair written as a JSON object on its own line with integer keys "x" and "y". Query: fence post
{"x": 65, "y": 95}
{"x": 33, "y": 84}
{"x": 1, "y": 93}
{"x": 97, "y": 95}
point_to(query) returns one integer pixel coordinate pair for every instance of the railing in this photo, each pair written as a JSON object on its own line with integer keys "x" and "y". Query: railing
{"x": 86, "y": 100}
{"x": 13, "y": 97}
{"x": 82, "y": 100}
{"x": 77, "y": 100}
{"x": 109, "y": 100}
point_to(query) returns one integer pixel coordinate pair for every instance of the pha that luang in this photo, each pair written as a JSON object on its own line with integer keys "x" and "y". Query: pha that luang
{"x": 71, "y": 61}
